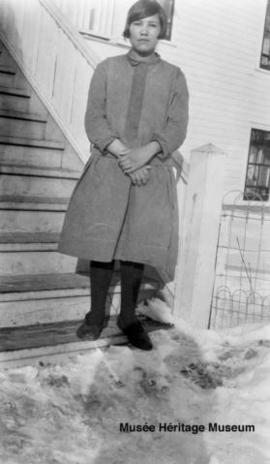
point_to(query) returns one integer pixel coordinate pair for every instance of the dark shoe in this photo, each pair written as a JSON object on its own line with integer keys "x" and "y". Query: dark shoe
{"x": 89, "y": 331}
{"x": 136, "y": 335}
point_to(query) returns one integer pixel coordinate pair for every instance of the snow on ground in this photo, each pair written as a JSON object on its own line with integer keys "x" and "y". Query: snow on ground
{"x": 71, "y": 413}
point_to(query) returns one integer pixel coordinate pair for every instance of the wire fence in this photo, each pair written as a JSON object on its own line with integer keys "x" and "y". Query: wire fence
{"x": 241, "y": 291}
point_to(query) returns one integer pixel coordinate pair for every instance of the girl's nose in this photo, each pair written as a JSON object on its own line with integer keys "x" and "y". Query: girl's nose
{"x": 144, "y": 30}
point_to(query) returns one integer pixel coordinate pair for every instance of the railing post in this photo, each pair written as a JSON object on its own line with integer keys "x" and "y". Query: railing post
{"x": 198, "y": 242}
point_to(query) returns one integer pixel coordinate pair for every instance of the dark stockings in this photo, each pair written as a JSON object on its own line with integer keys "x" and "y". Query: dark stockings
{"x": 101, "y": 275}
{"x": 131, "y": 277}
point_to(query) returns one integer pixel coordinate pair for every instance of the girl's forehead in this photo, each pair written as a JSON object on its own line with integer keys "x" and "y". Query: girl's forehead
{"x": 154, "y": 17}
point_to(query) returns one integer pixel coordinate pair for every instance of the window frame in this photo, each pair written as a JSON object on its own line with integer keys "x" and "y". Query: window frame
{"x": 266, "y": 36}
{"x": 170, "y": 16}
{"x": 261, "y": 168}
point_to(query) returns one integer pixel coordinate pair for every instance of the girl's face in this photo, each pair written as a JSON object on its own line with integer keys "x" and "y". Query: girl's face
{"x": 144, "y": 34}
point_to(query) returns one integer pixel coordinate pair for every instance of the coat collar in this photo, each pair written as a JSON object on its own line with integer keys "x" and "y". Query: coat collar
{"x": 135, "y": 60}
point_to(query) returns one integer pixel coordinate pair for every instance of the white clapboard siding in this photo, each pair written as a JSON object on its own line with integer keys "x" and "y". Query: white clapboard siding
{"x": 218, "y": 45}
{"x": 44, "y": 68}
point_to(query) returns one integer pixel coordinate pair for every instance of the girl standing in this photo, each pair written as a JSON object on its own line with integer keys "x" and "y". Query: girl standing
{"x": 124, "y": 206}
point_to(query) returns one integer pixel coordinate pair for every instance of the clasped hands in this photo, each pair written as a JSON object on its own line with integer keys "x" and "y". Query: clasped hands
{"x": 133, "y": 163}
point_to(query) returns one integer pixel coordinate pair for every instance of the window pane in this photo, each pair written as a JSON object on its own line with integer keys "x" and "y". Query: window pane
{"x": 266, "y": 46}
{"x": 260, "y": 156}
{"x": 263, "y": 178}
{"x": 267, "y": 155}
{"x": 252, "y": 175}
{"x": 168, "y": 6}
{"x": 253, "y": 154}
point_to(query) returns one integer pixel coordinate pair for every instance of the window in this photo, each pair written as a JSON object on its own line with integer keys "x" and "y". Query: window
{"x": 168, "y": 6}
{"x": 258, "y": 169}
{"x": 106, "y": 18}
{"x": 265, "y": 55}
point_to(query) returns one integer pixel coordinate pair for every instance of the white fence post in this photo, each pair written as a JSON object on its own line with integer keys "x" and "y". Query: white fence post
{"x": 202, "y": 208}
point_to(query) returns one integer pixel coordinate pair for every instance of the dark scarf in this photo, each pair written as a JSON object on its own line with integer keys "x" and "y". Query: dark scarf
{"x": 141, "y": 67}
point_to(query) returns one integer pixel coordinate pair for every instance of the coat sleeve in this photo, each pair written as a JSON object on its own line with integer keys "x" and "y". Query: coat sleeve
{"x": 175, "y": 128}
{"x": 97, "y": 127}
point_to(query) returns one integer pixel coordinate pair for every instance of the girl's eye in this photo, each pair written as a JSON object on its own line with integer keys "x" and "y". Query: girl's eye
{"x": 140, "y": 23}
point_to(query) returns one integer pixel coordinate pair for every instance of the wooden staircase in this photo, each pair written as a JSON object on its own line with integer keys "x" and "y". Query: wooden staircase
{"x": 40, "y": 290}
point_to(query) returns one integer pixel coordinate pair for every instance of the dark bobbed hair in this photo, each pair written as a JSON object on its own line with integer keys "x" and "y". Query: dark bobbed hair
{"x": 142, "y": 9}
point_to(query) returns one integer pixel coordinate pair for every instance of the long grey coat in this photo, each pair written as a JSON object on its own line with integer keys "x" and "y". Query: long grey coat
{"x": 108, "y": 217}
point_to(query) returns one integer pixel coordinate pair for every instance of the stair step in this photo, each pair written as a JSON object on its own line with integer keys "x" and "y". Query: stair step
{"x": 16, "y": 155}
{"x": 29, "y": 303}
{"x": 20, "y": 124}
{"x": 13, "y": 102}
{"x": 20, "y": 237}
{"x": 25, "y": 286}
{"x": 57, "y": 353}
{"x": 33, "y": 171}
{"x": 37, "y": 298}
{"x": 20, "y": 241}
{"x": 14, "y": 99}
{"x": 39, "y": 183}
{"x": 7, "y": 74}
{"x": 16, "y": 151}
{"x": 14, "y": 91}
{"x": 46, "y": 154}
{"x": 57, "y": 333}
{"x": 37, "y": 143}
{"x": 37, "y": 336}
{"x": 55, "y": 342}
{"x": 42, "y": 261}
{"x": 28, "y": 222}
{"x": 7, "y": 69}
{"x": 24, "y": 116}
{"x": 33, "y": 203}
{"x": 27, "y": 246}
